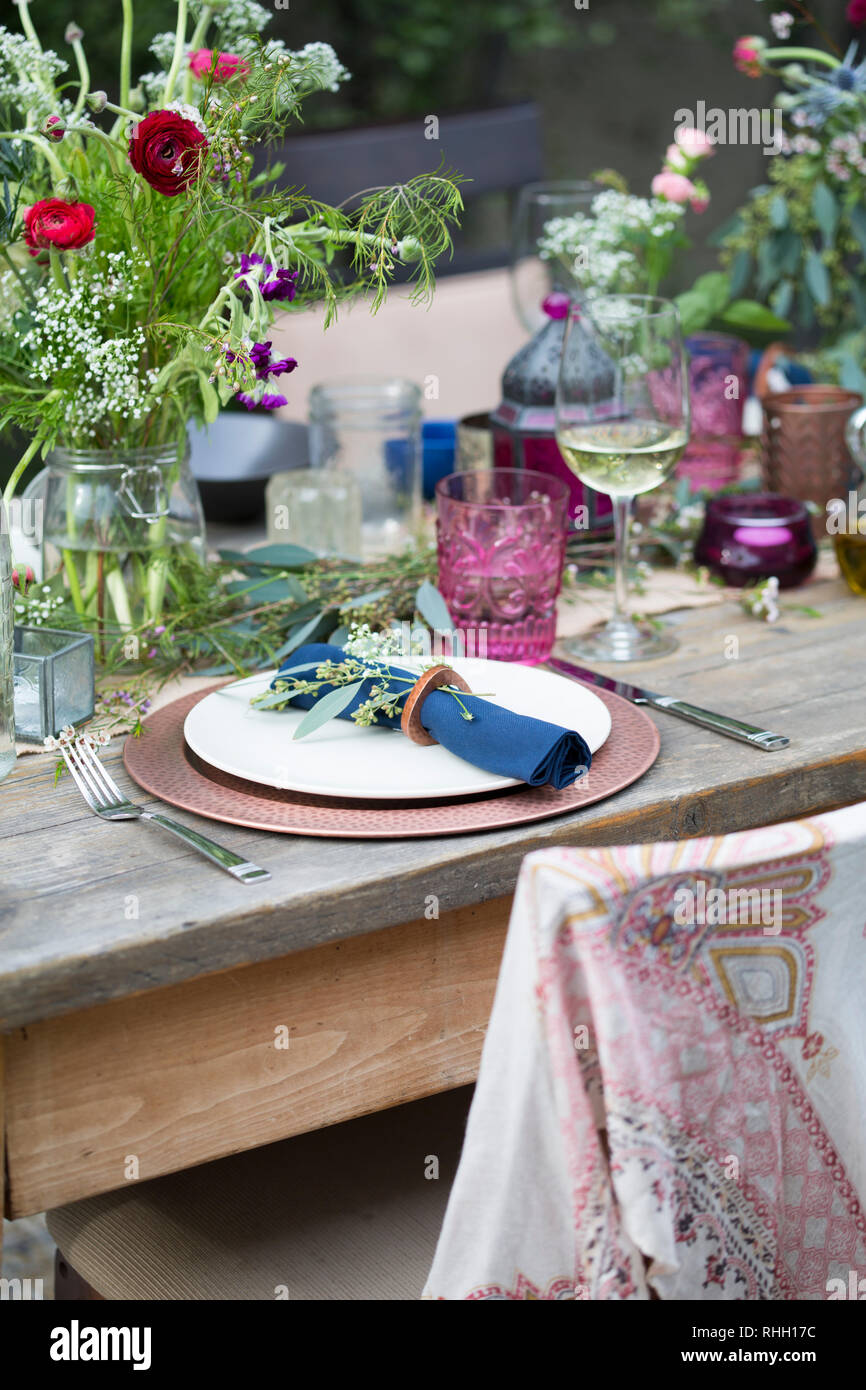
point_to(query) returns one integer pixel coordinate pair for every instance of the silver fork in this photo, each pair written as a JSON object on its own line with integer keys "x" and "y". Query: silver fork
{"x": 105, "y": 798}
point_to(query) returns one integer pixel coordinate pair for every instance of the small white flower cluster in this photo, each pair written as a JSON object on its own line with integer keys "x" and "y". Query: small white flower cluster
{"x": 11, "y": 297}
{"x": 100, "y": 368}
{"x": 115, "y": 275}
{"x": 314, "y": 68}
{"x": 763, "y": 601}
{"x": 373, "y": 646}
{"x": 153, "y": 83}
{"x": 846, "y": 154}
{"x": 592, "y": 261}
{"x": 782, "y": 23}
{"x": 235, "y": 19}
{"x": 27, "y": 77}
{"x": 38, "y": 608}
{"x": 97, "y": 739}
{"x": 189, "y": 113}
{"x": 624, "y": 212}
{"x": 596, "y": 245}
{"x": 800, "y": 144}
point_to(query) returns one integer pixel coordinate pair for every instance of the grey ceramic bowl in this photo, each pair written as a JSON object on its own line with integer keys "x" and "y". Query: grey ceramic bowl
{"x": 233, "y": 459}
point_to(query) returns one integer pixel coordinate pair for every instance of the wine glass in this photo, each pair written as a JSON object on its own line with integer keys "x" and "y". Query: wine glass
{"x": 622, "y": 422}
{"x": 532, "y": 278}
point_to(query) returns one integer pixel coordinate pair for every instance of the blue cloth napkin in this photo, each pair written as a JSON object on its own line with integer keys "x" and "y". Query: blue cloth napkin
{"x": 496, "y": 739}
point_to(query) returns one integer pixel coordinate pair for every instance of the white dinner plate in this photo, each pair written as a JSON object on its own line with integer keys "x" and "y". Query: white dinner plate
{"x": 377, "y": 764}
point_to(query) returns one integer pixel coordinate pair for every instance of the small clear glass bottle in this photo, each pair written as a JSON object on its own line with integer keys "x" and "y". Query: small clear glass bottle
{"x": 7, "y": 705}
{"x": 318, "y": 508}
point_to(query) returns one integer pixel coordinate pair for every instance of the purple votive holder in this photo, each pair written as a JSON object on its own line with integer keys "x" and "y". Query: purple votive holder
{"x": 753, "y": 536}
{"x": 501, "y": 536}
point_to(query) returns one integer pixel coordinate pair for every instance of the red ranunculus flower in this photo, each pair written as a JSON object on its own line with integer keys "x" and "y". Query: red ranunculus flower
{"x": 856, "y": 12}
{"x": 166, "y": 150}
{"x": 228, "y": 65}
{"x": 52, "y": 222}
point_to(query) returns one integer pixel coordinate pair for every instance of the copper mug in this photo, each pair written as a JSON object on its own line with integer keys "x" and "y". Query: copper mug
{"x": 804, "y": 451}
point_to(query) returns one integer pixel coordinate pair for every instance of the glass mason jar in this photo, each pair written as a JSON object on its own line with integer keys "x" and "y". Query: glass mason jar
{"x": 7, "y": 708}
{"x": 114, "y": 520}
{"x": 371, "y": 427}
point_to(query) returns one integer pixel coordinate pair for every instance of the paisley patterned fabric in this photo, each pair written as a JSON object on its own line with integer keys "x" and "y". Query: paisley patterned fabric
{"x": 672, "y": 1094}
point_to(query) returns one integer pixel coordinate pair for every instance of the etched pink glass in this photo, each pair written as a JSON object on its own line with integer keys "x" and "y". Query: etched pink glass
{"x": 718, "y": 366}
{"x": 501, "y": 538}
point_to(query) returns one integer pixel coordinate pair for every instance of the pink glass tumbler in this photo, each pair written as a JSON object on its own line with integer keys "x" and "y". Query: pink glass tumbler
{"x": 501, "y": 541}
{"x": 717, "y": 386}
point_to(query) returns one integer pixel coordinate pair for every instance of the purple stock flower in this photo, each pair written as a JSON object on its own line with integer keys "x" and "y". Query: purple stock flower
{"x": 247, "y": 263}
{"x": 260, "y": 356}
{"x": 285, "y": 364}
{"x": 282, "y": 286}
{"x": 267, "y": 402}
{"x": 274, "y": 284}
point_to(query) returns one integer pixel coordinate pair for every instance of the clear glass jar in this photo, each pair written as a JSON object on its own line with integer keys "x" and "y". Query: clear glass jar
{"x": 317, "y": 508}
{"x": 114, "y": 521}
{"x": 7, "y": 708}
{"x": 371, "y": 427}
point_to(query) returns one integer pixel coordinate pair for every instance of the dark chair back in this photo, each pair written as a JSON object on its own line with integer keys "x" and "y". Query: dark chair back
{"x": 496, "y": 151}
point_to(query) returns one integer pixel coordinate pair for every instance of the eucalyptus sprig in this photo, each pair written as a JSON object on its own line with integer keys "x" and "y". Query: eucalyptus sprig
{"x": 338, "y": 683}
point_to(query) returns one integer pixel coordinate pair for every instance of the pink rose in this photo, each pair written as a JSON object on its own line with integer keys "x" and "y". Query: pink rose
{"x": 675, "y": 187}
{"x": 224, "y": 66}
{"x": 700, "y": 202}
{"x": 747, "y": 54}
{"x": 695, "y": 144}
{"x": 676, "y": 159}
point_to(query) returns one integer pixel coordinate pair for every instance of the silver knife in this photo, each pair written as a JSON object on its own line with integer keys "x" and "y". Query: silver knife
{"x": 718, "y": 723}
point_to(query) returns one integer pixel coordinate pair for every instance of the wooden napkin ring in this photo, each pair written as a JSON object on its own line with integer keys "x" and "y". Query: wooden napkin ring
{"x": 410, "y": 719}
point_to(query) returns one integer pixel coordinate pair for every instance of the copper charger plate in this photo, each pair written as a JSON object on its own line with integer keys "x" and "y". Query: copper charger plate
{"x": 162, "y": 764}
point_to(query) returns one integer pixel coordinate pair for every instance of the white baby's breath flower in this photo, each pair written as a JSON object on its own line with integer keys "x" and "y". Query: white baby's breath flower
{"x": 782, "y": 23}
{"x": 189, "y": 113}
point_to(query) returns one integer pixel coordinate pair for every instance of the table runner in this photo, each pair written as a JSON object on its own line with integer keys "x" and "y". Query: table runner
{"x": 726, "y": 1061}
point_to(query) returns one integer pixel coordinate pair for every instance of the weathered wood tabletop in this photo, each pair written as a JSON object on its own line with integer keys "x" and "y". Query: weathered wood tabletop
{"x": 141, "y": 989}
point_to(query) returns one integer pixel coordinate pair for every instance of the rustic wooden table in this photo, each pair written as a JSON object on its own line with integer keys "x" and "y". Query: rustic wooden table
{"x": 155, "y": 1014}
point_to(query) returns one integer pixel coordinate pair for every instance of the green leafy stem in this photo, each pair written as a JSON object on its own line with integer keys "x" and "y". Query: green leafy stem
{"x": 346, "y": 678}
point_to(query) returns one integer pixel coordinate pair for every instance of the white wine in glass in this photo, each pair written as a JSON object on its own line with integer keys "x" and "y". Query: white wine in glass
{"x": 621, "y": 429}
{"x": 623, "y": 458}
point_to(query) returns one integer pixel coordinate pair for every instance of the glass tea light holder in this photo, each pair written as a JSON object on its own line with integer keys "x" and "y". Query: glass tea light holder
{"x": 501, "y": 537}
{"x": 53, "y": 681}
{"x": 370, "y": 427}
{"x": 753, "y": 536}
{"x": 318, "y": 508}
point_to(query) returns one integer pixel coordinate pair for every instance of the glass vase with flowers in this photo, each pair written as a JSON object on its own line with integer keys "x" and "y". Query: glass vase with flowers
{"x": 145, "y": 262}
